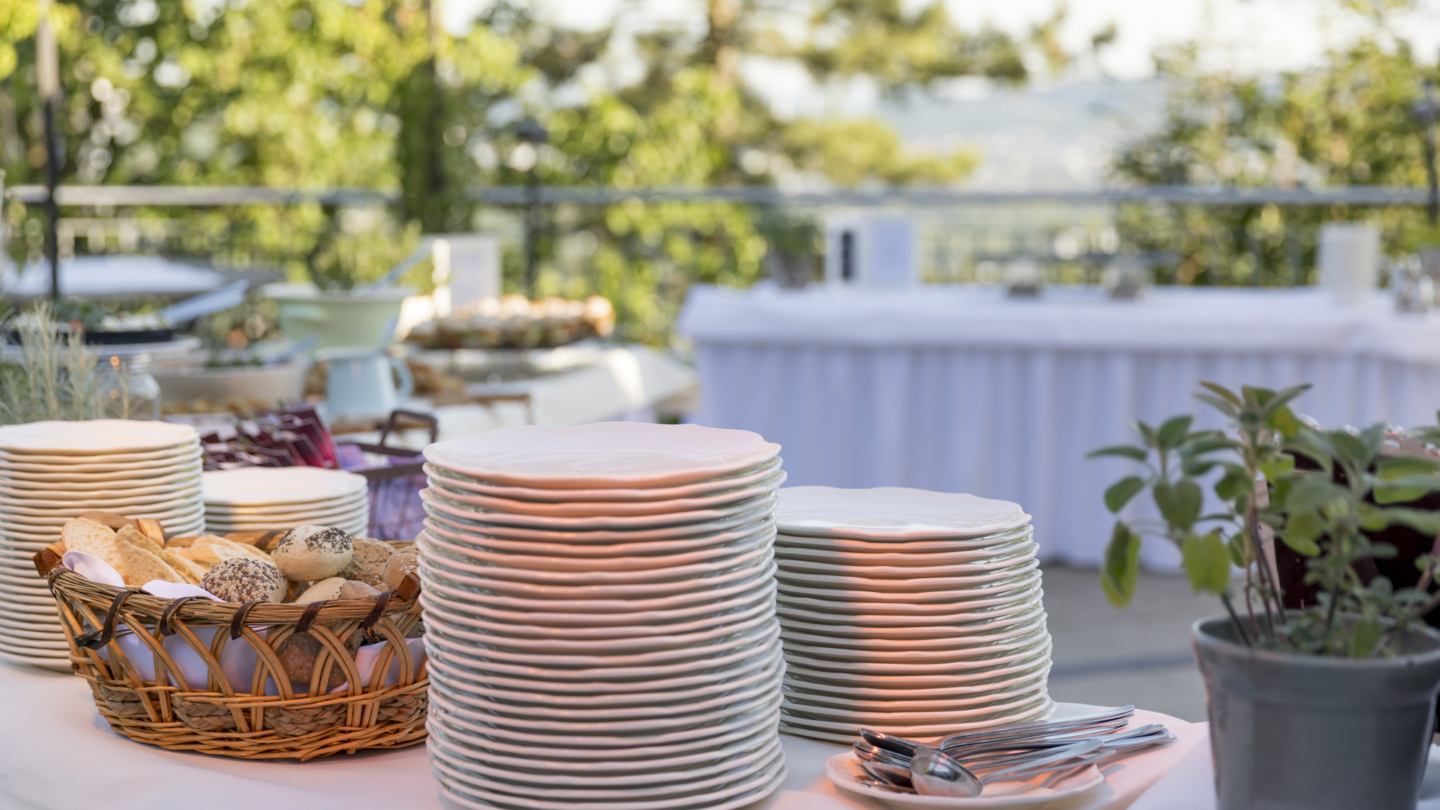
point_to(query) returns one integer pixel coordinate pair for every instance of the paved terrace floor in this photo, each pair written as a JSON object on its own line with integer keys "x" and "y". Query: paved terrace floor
{"x": 1138, "y": 655}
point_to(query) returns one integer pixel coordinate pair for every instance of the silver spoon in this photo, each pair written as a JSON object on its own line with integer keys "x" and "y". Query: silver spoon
{"x": 935, "y": 774}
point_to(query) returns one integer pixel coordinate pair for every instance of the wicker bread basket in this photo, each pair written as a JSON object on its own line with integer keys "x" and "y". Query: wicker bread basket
{"x": 214, "y": 717}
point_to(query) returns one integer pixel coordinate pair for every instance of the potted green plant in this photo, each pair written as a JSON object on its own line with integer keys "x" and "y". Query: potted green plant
{"x": 1329, "y": 706}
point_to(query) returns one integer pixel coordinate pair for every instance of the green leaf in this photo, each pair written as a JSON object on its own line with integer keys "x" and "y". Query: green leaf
{"x": 1389, "y": 468}
{"x": 1147, "y": 433}
{"x": 1122, "y": 491}
{"x": 1219, "y": 404}
{"x": 1276, "y": 465}
{"x": 1207, "y": 562}
{"x": 1122, "y": 450}
{"x": 1311, "y": 492}
{"x": 1275, "y": 402}
{"x": 1236, "y": 546}
{"x": 1179, "y": 503}
{"x": 1121, "y": 570}
{"x": 1315, "y": 446}
{"x": 1202, "y": 443}
{"x": 1421, "y": 520}
{"x": 1285, "y": 422}
{"x": 1302, "y": 529}
{"x": 1198, "y": 467}
{"x": 1349, "y": 449}
{"x": 1172, "y": 434}
{"x": 1223, "y": 393}
{"x": 1383, "y": 551}
{"x": 1372, "y": 519}
{"x": 1406, "y": 488}
{"x": 1233, "y": 485}
{"x": 1365, "y": 636}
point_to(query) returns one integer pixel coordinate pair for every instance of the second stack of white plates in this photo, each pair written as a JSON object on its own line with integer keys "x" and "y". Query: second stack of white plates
{"x": 50, "y": 472}
{"x": 910, "y": 612}
{"x": 600, "y": 617}
{"x": 253, "y": 499}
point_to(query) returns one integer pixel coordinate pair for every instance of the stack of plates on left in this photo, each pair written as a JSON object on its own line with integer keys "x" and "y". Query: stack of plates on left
{"x": 910, "y": 612}
{"x": 51, "y": 472}
{"x": 256, "y": 499}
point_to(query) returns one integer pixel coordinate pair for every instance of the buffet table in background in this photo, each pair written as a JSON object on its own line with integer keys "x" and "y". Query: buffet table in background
{"x": 960, "y": 389}
{"x": 58, "y": 754}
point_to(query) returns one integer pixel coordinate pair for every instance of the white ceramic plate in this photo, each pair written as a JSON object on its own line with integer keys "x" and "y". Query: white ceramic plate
{"x": 1001, "y": 706}
{"x": 919, "y": 698}
{"x": 86, "y": 501}
{"x": 483, "y": 654}
{"x": 985, "y": 652}
{"x": 360, "y": 498}
{"x": 886, "y": 665}
{"x": 729, "y": 672}
{"x": 346, "y": 516}
{"x": 1074, "y": 792}
{"x": 525, "y": 775}
{"x": 95, "y": 436}
{"x": 893, "y": 513}
{"x": 582, "y": 509}
{"x": 627, "y": 455}
{"x": 645, "y": 701}
{"x": 143, "y": 475}
{"x": 1024, "y": 624}
{"x": 920, "y": 589}
{"x": 640, "y": 677}
{"x": 918, "y": 637}
{"x": 608, "y": 601}
{"x": 673, "y": 647}
{"x": 635, "y": 756}
{"x": 260, "y": 486}
{"x": 838, "y": 555}
{"x": 435, "y": 500}
{"x": 945, "y": 545}
{"x": 948, "y": 600}
{"x": 82, "y": 466}
{"x": 846, "y": 732}
{"x": 743, "y": 594}
{"x": 181, "y": 451}
{"x": 744, "y": 478}
{"x": 604, "y": 539}
{"x": 530, "y": 557}
{"x": 980, "y": 610}
{"x": 102, "y": 489}
{"x": 455, "y": 558}
{"x": 1016, "y": 555}
{"x": 46, "y": 515}
{"x": 465, "y": 793}
{"x": 942, "y": 678}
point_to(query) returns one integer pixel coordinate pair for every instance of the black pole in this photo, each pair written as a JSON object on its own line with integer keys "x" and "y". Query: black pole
{"x": 52, "y": 210}
{"x": 1432, "y": 111}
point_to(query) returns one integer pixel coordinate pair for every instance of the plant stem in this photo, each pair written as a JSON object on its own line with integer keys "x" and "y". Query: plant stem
{"x": 1235, "y": 619}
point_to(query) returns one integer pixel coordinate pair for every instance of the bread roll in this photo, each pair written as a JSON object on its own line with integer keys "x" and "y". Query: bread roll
{"x": 242, "y": 580}
{"x": 309, "y": 553}
{"x": 368, "y": 561}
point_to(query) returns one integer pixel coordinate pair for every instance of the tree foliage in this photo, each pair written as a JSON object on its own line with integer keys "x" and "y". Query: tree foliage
{"x": 1348, "y": 121}
{"x": 372, "y": 94}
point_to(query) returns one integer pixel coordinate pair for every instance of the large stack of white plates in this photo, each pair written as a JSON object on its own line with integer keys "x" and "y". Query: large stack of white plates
{"x": 600, "y": 617}
{"x": 51, "y": 472}
{"x": 910, "y": 612}
{"x": 253, "y": 499}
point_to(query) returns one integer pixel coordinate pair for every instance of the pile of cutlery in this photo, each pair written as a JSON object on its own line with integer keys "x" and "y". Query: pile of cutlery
{"x": 960, "y": 765}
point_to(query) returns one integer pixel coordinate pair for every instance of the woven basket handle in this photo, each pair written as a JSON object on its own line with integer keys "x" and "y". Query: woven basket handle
{"x": 99, "y": 638}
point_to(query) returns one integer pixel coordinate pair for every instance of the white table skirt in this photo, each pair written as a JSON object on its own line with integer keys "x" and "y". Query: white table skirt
{"x": 56, "y": 753}
{"x": 961, "y": 390}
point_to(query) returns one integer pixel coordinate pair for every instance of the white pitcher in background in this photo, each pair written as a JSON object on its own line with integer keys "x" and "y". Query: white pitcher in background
{"x": 364, "y": 382}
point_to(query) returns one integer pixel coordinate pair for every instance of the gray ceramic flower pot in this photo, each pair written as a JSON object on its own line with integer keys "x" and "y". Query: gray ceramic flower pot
{"x": 1299, "y": 732}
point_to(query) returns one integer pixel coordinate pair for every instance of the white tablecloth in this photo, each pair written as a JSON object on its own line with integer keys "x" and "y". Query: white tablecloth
{"x": 959, "y": 389}
{"x": 56, "y": 753}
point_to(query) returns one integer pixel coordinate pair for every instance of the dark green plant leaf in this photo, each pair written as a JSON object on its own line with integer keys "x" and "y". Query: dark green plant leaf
{"x": 1406, "y": 488}
{"x": 1389, "y": 468}
{"x": 1311, "y": 492}
{"x": 1179, "y": 503}
{"x": 1372, "y": 519}
{"x": 1276, "y": 465}
{"x": 1207, "y": 562}
{"x": 1285, "y": 422}
{"x": 1365, "y": 636}
{"x": 1383, "y": 551}
{"x": 1122, "y": 566}
{"x": 1421, "y": 520}
{"x": 1208, "y": 442}
{"x": 1315, "y": 446}
{"x": 1147, "y": 433}
{"x": 1223, "y": 393}
{"x": 1272, "y": 404}
{"x": 1218, "y": 404}
{"x": 1349, "y": 449}
{"x": 1236, "y": 546}
{"x": 1198, "y": 467}
{"x": 1122, "y": 450}
{"x": 1234, "y": 484}
{"x": 1122, "y": 491}
{"x": 1173, "y": 433}
{"x": 1302, "y": 529}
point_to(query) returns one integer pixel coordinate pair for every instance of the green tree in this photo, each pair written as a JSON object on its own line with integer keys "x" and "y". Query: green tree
{"x": 1347, "y": 121}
